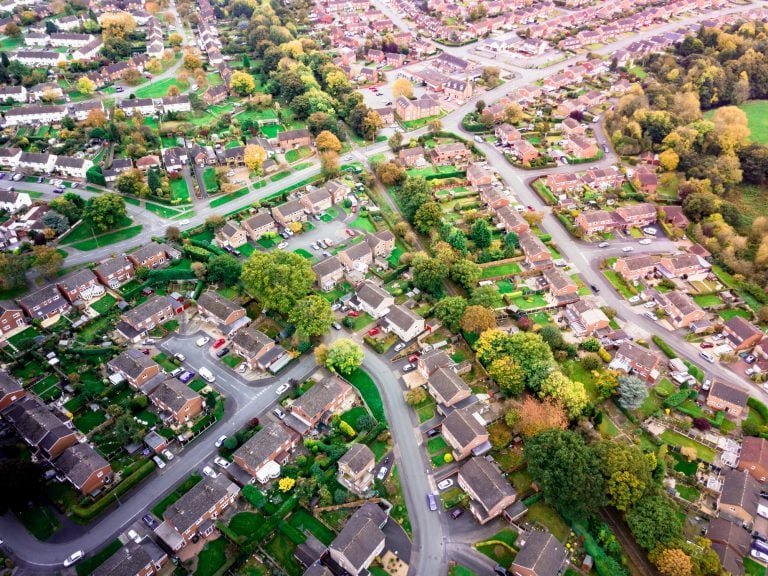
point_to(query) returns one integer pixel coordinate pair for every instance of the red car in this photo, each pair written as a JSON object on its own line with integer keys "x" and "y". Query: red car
{"x": 374, "y": 331}
{"x": 354, "y": 209}
{"x": 219, "y": 343}
{"x": 413, "y": 358}
{"x": 353, "y": 313}
{"x": 349, "y": 232}
{"x": 707, "y": 345}
{"x": 531, "y": 208}
{"x": 145, "y": 351}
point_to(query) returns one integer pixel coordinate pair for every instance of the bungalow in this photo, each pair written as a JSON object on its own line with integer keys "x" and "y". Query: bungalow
{"x": 148, "y": 162}
{"x": 115, "y": 271}
{"x": 637, "y": 214}
{"x": 291, "y": 211}
{"x": 680, "y": 308}
{"x": 86, "y": 469}
{"x": 741, "y": 334}
{"x": 135, "y": 367}
{"x": 465, "y": 434}
{"x": 255, "y": 347}
{"x": 196, "y": 510}
{"x": 446, "y": 387}
{"x": 537, "y": 255}
{"x": 13, "y": 202}
{"x": 511, "y": 220}
{"x": 541, "y": 554}
{"x": 44, "y": 304}
{"x": 479, "y": 175}
{"x": 11, "y": 320}
{"x": 154, "y": 255}
{"x": 489, "y": 492}
{"x": 507, "y": 133}
{"x": 403, "y": 322}
{"x": 10, "y": 390}
{"x": 455, "y": 153}
{"x": 262, "y": 453}
{"x": 223, "y": 312}
{"x": 634, "y": 267}
{"x": 40, "y": 427}
{"x": 155, "y": 311}
{"x": 356, "y": 469}
{"x": 318, "y": 404}
{"x": 409, "y": 110}
{"x": 360, "y": 541}
{"x": 231, "y": 234}
{"x": 329, "y": 273}
{"x": 372, "y": 300}
{"x": 634, "y": 359}
{"x": 411, "y": 157}
{"x": 258, "y": 225}
{"x": 585, "y": 318}
{"x": 177, "y": 400}
{"x": 82, "y": 285}
{"x": 292, "y": 139}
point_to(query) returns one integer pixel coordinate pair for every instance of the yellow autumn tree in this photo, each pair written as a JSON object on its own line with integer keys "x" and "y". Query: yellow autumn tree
{"x": 254, "y": 157}
{"x": 286, "y": 484}
{"x": 669, "y": 160}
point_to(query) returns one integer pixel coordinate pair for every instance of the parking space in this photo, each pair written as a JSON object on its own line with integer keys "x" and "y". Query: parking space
{"x": 333, "y": 230}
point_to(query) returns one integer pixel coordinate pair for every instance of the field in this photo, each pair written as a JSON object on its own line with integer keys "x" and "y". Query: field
{"x": 109, "y": 238}
{"x": 157, "y": 89}
{"x": 757, "y": 119}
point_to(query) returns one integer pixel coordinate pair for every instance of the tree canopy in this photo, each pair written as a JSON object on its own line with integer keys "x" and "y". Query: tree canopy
{"x": 278, "y": 279}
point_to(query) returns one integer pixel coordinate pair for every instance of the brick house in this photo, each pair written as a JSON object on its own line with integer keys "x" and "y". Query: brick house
{"x": 429, "y": 363}
{"x": 252, "y": 344}
{"x": 381, "y": 243}
{"x": 493, "y": 197}
{"x": 585, "y": 318}
{"x": 40, "y": 427}
{"x": 489, "y": 492}
{"x": 455, "y": 153}
{"x": 560, "y": 284}
{"x": 464, "y": 433}
{"x": 231, "y": 234}
{"x": 638, "y": 214}
{"x": 537, "y": 255}
{"x": 11, "y": 318}
{"x": 215, "y": 94}
{"x": 739, "y": 497}
{"x": 223, "y": 312}
{"x": 525, "y": 151}
{"x": 86, "y": 469}
{"x": 409, "y": 110}
{"x": 727, "y": 398}
{"x": 741, "y": 334}
{"x": 357, "y": 257}
{"x": 80, "y": 285}
{"x": 204, "y": 502}
{"x": 258, "y": 225}
{"x": 572, "y": 127}
{"x": 459, "y": 90}
{"x": 317, "y": 201}
{"x": 411, "y": 157}
{"x": 273, "y": 443}
{"x": 541, "y": 554}
{"x": 581, "y": 147}
{"x": 177, "y": 399}
{"x": 634, "y": 359}
{"x": 360, "y": 541}
{"x": 507, "y": 133}
{"x": 318, "y": 404}
{"x": 135, "y": 367}
{"x": 292, "y": 139}
{"x": 291, "y": 211}
{"x": 731, "y": 543}
{"x": 10, "y": 390}
{"x": 754, "y": 457}
{"x": 635, "y": 267}
{"x": 154, "y": 255}
{"x": 681, "y": 265}
{"x": 155, "y": 311}
{"x": 144, "y": 558}
{"x": 680, "y": 308}
{"x": 512, "y": 220}
{"x": 403, "y": 322}
{"x": 44, "y": 304}
{"x": 446, "y": 387}
{"x": 115, "y": 271}
{"x": 478, "y": 175}
{"x": 596, "y": 221}
{"x": 356, "y": 469}
{"x": 329, "y": 273}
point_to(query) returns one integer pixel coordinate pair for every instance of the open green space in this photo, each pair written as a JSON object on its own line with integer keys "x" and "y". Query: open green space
{"x": 84, "y": 231}
{"x": 39, "y": 521}
{"x": 688, "y": 492}
{"x": 108, "y": 238}
{"x": 157, "y": 89}
{"x": 229, "y": 197}
{"x": 757, "y": 119}
{"x": 543, "y": 514}
{"x": 361, "y": 380}
{"x": 179, "y": 190}
{"x": 728, "y": 314}
{"x": 674, "y": 439}
{"x": 363, "y": 223}
{"x": 210, "y": 181}
{"x": 459, "y": 570}
{"x": 507, "y": 269}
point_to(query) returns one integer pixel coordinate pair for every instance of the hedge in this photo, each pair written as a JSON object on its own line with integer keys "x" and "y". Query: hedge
{"x": 253, "y": 495}
{"x": 170, "y": 274}
{"x": 758, "y": 407}
{"x": 455, "y": 174}
{"x": 198, "y": 289}
{"x": 207, "y": 245}
{"x": 676, "y": 399}
{"x": 663, "y": 346}
{"x": 531, "y": 500}
{"x": 197, "y": 253}
{"x": 293, "y": 534}
{"x": 88, "y": 513}
{"x": 694, "y": 370}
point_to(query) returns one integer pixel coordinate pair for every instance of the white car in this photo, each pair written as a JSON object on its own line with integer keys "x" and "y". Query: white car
{"x": 634, "y": 299}
{"x": 221, "y": 462}
{"x": 603, "y": 245}
{"x": 279, "y": 413}
{"x": 220, "y": 440}
{"x": 208, "y": 471}
{"x": 207, "y": 375}
{"x": 627, "y": 249}
{"x": 447, "y": 483}
{"x": 347, "y": 158}
{"x": 184, "y": 222}
{"x": 645, "y": 241}
{"x": 202, "y": 341}
{"x": 242, "y": 368}
{"x": 180, "y": 357}
{"x": 133, "y": 535}
{"x": 382, "y": 473}
{"x": 168, "y": 454}
{"x": 651, "y": 231}
{"x": 399, "y": 347}
{"x": 72, "y": 558}
{"x": 159, "y": 462}
{"x": 282, "y": 245}
{"x": 282, "y": 389}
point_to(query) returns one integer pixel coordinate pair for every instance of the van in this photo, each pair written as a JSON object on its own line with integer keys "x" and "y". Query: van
{"x": 707, "y": 356}
{"x": 207, "y": 375}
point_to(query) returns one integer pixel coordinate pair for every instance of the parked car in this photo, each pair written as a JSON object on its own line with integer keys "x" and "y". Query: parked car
{"x": 202, "y": 341}
{"x": 645, "y": 241}
{"x": 133, "y": 535}
{"x": 220, "y": 440}
{"x": 168, "y": 454}
{"x": 159, "y": 462}
{"x": 750, "y": 359}
{"x": 413, "y": 358}
{"x": 432, "y": 501}
{"x": 282, "y": 389}
{"x": 336, "y": 326}
{"x": 353, "y": 313}
{"x": 433, "y": 432}
{"x": 221, "y": 462}
{"x": 176, "y": 371}
{"x": 208, "y": 471}
{"x": 149, "y": 521}
{"x": 627, "y": 249}
{"x": 447, "y": 483}
{"x": 382, "y": 473}
{"x": 409, "y": 367}
{"x": 374, "y": 331}
{"x": 180, "y": 357}
{"x": 707, "y": 345}
{"x": 651, "y": 231}
{"x": 706, "y": 385}
{"x": 219, "y": 343}
{"x": 207, "y": 375}
{"x": 222, "y": 352}
{"x": 72, "y": 558}
{"x": 186, "y": 376}
{"x": 279, "y": 413}
{"x": 603, "y": 245}
{"x": 456, "y": 512}
{"x": 399, "y": 346}
{"x": 243, "y": 368}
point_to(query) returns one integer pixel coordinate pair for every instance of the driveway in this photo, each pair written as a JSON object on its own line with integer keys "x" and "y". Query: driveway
{"x": 320, "y": 231}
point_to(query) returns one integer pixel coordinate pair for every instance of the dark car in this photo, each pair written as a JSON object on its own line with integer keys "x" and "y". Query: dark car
{"x": 500, "y": 570}
{"x": 150, "y": 521}
{"x": 595, "y": 289}
{"x": 433, "y": 432}
{"x": 223, "y": 352}
{"x": 456, "y": 512}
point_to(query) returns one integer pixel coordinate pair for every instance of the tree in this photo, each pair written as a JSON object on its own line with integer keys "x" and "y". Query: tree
{"x": 531, "y": 416}
{"x": 414, "y": 192}
{"x": 731, "y": 127}
{"x": 172, "y": 234}
{"x": 487, "y": 296}
{"x": 395, "y": 141}
{"x": 672, "y": 562}
{"x": 105, "y": 211}
{"x": 215, "y": 222}
{"x": 427, "y": 217}
{"x": 175, "y": 39}
{"x": 478, "y": 319}
{"x": 242, "y": 83}
{"x": 85, "y": 85}
{"x": 13, "y": 30}
{"x": 669, "y": 160}
{"x": 606, "y": 382}
{"x": 481, "y": 234}
{"x": 116, "y": 25}
{"x": 286, "y": 484}
{"x": 224, "y": 269}
{"x": 466, "y": 273}
{"x": 402, "y": 87}
{"x": 46, "y": 260}
{"x": 565, "y": 469}
{"x": 20, "y": 480}
{"x": 458, "y": 241}
{"x": 570, "y": 393}
{"x": 278, "y": 279}
{"x": 132, "y": 182}
{"x": 513, "y": 113}
{"x": 312, "y": 316}
{"x": 329, "y": 164}
{"x": 13, "y": 269}
{"x": 450, "y": 310}
{"x": 372, "y": 123}
{"x": 192, "y": 61}
{"x": 491, "y": 76}
{"x": 435, "y": 125}
{"x": 632, "y": 392}
{"x": 153, "y": 180}
{"x": 198, "y": 269}
{"x": 508, "y": 375}
{"x": 627, "y": 473}
{"x": 253, "y": 157}
{"x": 429, "y": 274}
{"x": 327, "y": 140}
{"x": 527, "y": 348}
{"x": 344, "y": 356}
{"x": 654, "y": 520}
{"x": 390, "y": 173}
{"x": 56, "y": 222}
{"x": 416, "y": 396}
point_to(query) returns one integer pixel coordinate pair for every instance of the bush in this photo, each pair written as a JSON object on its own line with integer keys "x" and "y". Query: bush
{"x": 590, "y": 362}
{"x": 591, "y": 344}
{"x": 758, "y": 407}
{"x": 197, "y": 253}
{"x": 676, "y": 399}
{"x": 88, "y": 513}
{"x": 604, "y": 355}
{"x": 663, "y": 346}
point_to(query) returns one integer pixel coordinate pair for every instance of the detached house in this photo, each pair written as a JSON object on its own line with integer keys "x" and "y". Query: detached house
{"x": 154, "y": 255}
{"x": 356, "y": 469}
{"x": 231, "y": 234}
{"x": 196, "y": 511}
{"x": 177, "y": 400}
{"x": 292, "y": 211}
{"x": 447, "y": 388}
{"x": 223, "y": 312}
{"x": 115, "y": 271}
{"x": 681, "y": 265}
{"x": 634, "y": 359}
{"x": 360, "y": 541}
{"x": 507, "y": 133}
{"x": 292, "y": 139}
{"x": 403, "y": 322}
{"x": 155, "y": 311}
{"x": 585, "y": 318}
{"x": 741, "y": 334}
{"x": 135, "y": 367}
{"x": 731, "y": 543}
{"x": 318, "y": 404}
{"x": 373, "y": 300}
{"x": 381, "y": 244}
{"x": 256, "y": 348}
{"x": 680, "y": 308}
{"x": 329, "y": 273}
{"x": 541, "y": 554}
{"x": 488, "y": 490}
{"x": 79, "y": 286}
{"x": 258, "y": 225}
{"x": 465, "y": 434}
{"x": 262, "y": 453}
{"x": 317, "y": 201}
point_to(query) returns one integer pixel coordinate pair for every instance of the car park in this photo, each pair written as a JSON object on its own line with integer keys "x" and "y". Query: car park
{"x": 208, "y": 471}
{"x": 220, "y": 440}
{"x": 202, "y": 341}
{"x": 168, "y": 454}
{"x": 219, "y": 343}
{"x": 282, "y": 389}
{"x": 279, "y": 413}
{"x": 73, "y": 558}
{"x": 445, "y": 484}
{"x": 221, "y": 462}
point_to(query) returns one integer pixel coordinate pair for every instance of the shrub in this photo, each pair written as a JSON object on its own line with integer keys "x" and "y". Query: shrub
{"x": 590, "y": 362}
{"x": 605, "y": 356}
{"x": 591, "y": 345}
{"x": 701, "y": 423}
{"x": 676, "y": 399}
{"x": 758, "y": 407}
{"x": 663, "y": 346}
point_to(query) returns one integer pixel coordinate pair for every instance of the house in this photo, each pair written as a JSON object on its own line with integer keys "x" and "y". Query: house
{"x": 446, "y": 387}
{"x": 37, "y": 424}
{"x": 727, "y": 398}
{"x": 674, "y": 216}
{"x": 174, "y": 158}
{"x": 507, "y": 133}
{"x": 37, "y": 58}
{"x": 231, "y": 234}
{"x": 632, "y": 358}
{"x": 46, "y": 91}
{"x": 541, "y": 554}
{"x": 291, "y": 211}
{"x": 739, "y": 497}
{"x": 37, "y": 162}
{"x": 263, "y": 452}
{"x": 44, "y": 304}
{"x": 215, "y": 95}
{"x": 429, "y": 363}
{"x": 223, "y": 312}
{"x": 86, "y": 469}
{"x": 154, "y": 312}
{"x": 372, "y": 299}
{"x": 171, "y": 104}
{"x": 572, "y": 127}
{"x": 403, "y": 322}
{"x": 360, "y": 541}
{"x": 13, "y": 202}
{"x": 148, "y": 162}
{"x": 754, "y": 457}
{"x": 88, "y": 51}
{"x": 11, "y": 318}
{"x": 525, "y": 151}
{"x": 69, "y": 39}
{"x": 143, "y": 558}
{"x": 731, "y": 543}
{"x": 454, "y": 153}
{"x": 561, "y": 286}
{"x": 680, "y": 308}
{"x": 135, "y": 367}
{"x": 329, "y": 273}
{"x": 465, "y": 434}
{"x": 537, "y": 255}
{"x": 637, "y": 214}
{"x": 494, "y": 197}
{"x": 511, "y": 220}
{"x": 585, "y": 318}
{"x": 478, "y": 175}
{"x": 488, "y": 490}
{"x": 258, "y": 225}
{"x": 252, "y": 345}
{"x": 356, "y": 469}
{"x": 114, "y": 271}
{"x": 318, "y": 404}
{"x": 681, "y": 265}
{"x": 646, "y": 181}
{"x": 119, "y": 165}
{"x": 357, "y": 257}
{"x": 81, "y": 110}
{"x": 409, "y": 110}
{"x": 13, "y": 93}
{"x": 154, "y": 255}
{"x": 596, "y": 221}
{"x": 10, "y": 390}
{"x": 581, "y": 147}
{"x": 382, "y": 243}
{"x": 144, "y": 106}
{"x": 200, "y": 506}
{"x": 79, "y": 286}
{"x": 741, "y": 334}
{"x": 411, "y": 157}
{"x": 292, "y": 139}
{"x": 635, "y": 267}
{"x": 10, "y": 156}
{"x": 317, "y": 201}
{"x": 177, "y": 399}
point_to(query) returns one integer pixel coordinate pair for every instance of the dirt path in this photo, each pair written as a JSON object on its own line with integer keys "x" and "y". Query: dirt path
{"x": 637, "y": 560}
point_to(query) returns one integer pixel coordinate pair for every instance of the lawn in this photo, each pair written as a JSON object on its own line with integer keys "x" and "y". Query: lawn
{"x": 683, "y": 465}
{"x": 361, "y": 321}
{"x": 351, "y": 416}
{"x": 549, "y": 518}
{"x": 245, "y": 523}
{"x": 618, "y": 283}
{"x": 210, "y": 181}
{"x": 40, "y": 521}
{"x": 179, "y": 190}
{"x": 499, "y": 553}
{"x": 281, "y": 549}
{"x": 157, "y": 89}
{"x": 229, "y": 197}
{"x": 48, "y": 388}
{"x": 530, "y": 302}
{"x": 103, "y": 304}
{"x": 84, "y": 231}
{"x": 436, "y": 445}
{"x": 674, "y": 439}
{"x": 757, "y": 119}
{"x": 293, "y": 155}
{"x": 232, "y": 360}
{"x": 707, "y": 300}
{"x": 752, "y": 568}
{"x": 85, "y": 567}
{"x": 688, "y": 492}
{"x": 279, "y": 176}
{"x": 361, "y": 380}
{"x": 507, "y": 269}
{"x": 363, "y": 223}
{"x": 304, "y": 521}
{"x": 728, "y": 314}
{"x": 108, "y": 238}
{"x": 90, "y": 420}
{"x": 211, "y": 558}
{"x": 459, "y": 570}
{"x": 20, "y": 339}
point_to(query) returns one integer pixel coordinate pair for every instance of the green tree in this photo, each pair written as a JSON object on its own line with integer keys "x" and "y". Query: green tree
{"x": 105, "y": 212}
{"x": 512, "y": 240}
{"x": 527, "y": 348}
{"x": 278, "y": 279}
{"x": 487, "y": 296}
{"x": 344, "y": 356}
{"x": 414, "y": 192}
{"x": 449, "y": 311}
{"x": 477, "y": 319}
{"x": 224, "y": 269}
{"x": 570, "y": 393}
{"x": 56, "y": 222}
{"x": 429, "y": 274}
{"x": 153, "y": 181}
{"x": 508, "y": 375}
{"x": 94, "y": 175}
{"x": 242, "y": 83}
{"x": 47, "y": 260}
{"x": 13, "y": 269}
{"x": 466, "y": 273}
{"x": 70, "y": 205}
{"x": 427, "y": 217}
{"x": 481, "y": 234}
{"x": 632, "y": 392}
{"x": 552, "y": 336}
{"x": 458, "y": 241}
{"x": 627, "y": 472}
{"x": 654, "y": 520}
{"x": 312, "y": 316}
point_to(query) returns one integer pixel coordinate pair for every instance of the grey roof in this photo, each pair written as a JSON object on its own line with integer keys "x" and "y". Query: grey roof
{"x": 217, "y": 305}
{"x": 147, "y": 309}
{"x": 730, "y": 533}
{"x": 739, "y": 489}
{"x": 557, "y": 279}
{"x": 319, "y": 195}
{"x": 435, "y": 359}
{"x": 131, "y": 363}
{"x": 463, "y": 426}
{"x": 34, "y": 157}
{"x": 291, "y": 134}
{"x": 8, "y": 384}
{"x": 263, "y": 445}
{"x": 358, "y": 458}
{"x": 742, "y": 328}
{"x": 357, "y": 251}
{"x": 402, "y": 317}
{"x": 290, "y": 207}
{"x": 79, "y": 462}
{"x": 371, "y": 294}
{"x": 315, "y": 400}
{"x": 130, "y": 559}
{"x": 230, "y": 228}
{"x": 486, "y": 482}
{"x": 39, "y": 296}
{"x": 640, "y": 261}
{"x": 77, "y": 279}
{"x": 317, "y": 570}
{"x": 258, "y": 220}
{"x": 728, "y": 393}
{"x": 200, "y": 499}
{"x": 542, "y": 553}
{"x": 173, "y": 393}
{"x": 150, "y": 250}
{"x": 35, "y": 422}
{"x": 327, "y": 266}
{"x": 639, "y": 355}
{"x": 251, "y": 341}
{"x": 531, "y": 244}
{"x": 136, "y": 103}
{"x": 447, "y": 383}
{"x": 359, "y": 538}
{"x": 112, "y": 265}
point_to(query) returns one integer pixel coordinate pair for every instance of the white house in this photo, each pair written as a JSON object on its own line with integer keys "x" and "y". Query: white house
{"x": 143, "y": 106}
{"x": 372, "y": 299}
{"x": 80, "y": 110}
{"x": 38, "y": 57}
{"x": 35, "y": 115}
{"x": 70, "y": 39}
{"x": 37, "y": 162}
{"x": 176, "y": 104}
{"x": 36, "y": 39}
{"x": 50, "y": 89}
{"x": 403, "y": 322}
{"x": 14, "y": 201}
{"x": 10, "y": 157}
{"x": 15, "y": 93}
{"x": 88, "y": 51}
{"x": 155, "y": 48}
{"x": 73, "y": 167}
{"x": 68, "y": 23}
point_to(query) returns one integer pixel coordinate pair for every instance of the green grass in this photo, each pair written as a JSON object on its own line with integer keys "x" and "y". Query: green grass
{"x": 683, "y": 465}
{"x": 618, "y": 283}
{"x": 103, "y": 304}
{"x": 19, "y": 340}
{"x": 757, "y": 119}
{"x": 157, "y": 89}
{"x": 84, "y": 231}
{"x": 162, "y": 211}
{"x": 281, "y": 549}
{"x": 674, "y": 439}
{"x": 351, "y": 415}
{"x": 245, "y": 523}
{"x": 705, "y": 300}
{"x": 210, "y": 181}
{"x": 361, "y": 380}
{"x": 293, "y": 155}
{"x": 89, "y": 420}
{"x": 363, "y": 223}
{"x": 48, "y": 387}
{"x": 436, "y": 445}
{"x": 179, "y": 190}
{"x": 303, "y": 253}
{"x": 229, "y": 197}
{"x": 232, "y": 360}
{"x": 688, "y": 492}
{"x": 459, "y": 570}
{"x": 548, "y": 517}
{"x": 39, "y": 521}
{"x": 530, "y": 302}
{"x": 499, "y": 553}
{"x": 303, "y": 520}
{"x": 211, "y": 558}
{"x": 109, "y": 238}
{"x": 507, "y": 269}
{"x": 361, "y": 321}
{"x": 87, "y": 566}
{"x": 752, "y": 568}
{"x": 728, "y": 314}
